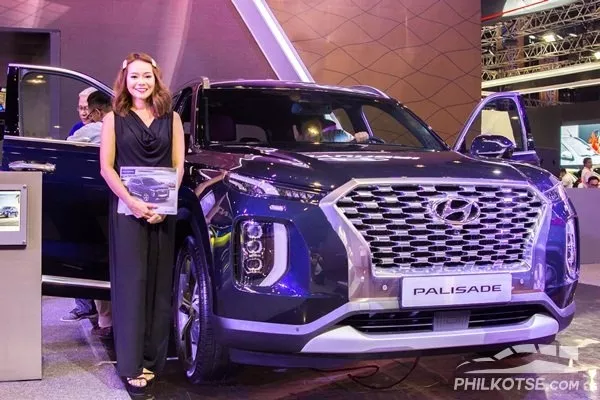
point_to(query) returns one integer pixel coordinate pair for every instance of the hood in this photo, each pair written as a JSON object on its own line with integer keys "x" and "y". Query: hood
{"x": 329, "y": 166}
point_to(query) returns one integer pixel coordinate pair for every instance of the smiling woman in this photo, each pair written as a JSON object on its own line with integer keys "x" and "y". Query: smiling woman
{"x": 142, "y": 132}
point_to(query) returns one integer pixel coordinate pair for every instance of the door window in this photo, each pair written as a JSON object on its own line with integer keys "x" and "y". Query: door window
{"x": 50, "y": 106}
{"x": 498, "y": 117}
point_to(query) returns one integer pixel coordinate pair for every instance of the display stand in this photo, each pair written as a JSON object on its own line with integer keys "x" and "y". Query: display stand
{"x": 586, "y": 203}
{"x": 20, "y": 276}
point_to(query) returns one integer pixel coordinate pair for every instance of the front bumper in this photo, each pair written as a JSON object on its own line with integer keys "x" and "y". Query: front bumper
{"x": 346, "y": 339}
{"x": 326, "y": 336}
{"x": 159, "y": 196}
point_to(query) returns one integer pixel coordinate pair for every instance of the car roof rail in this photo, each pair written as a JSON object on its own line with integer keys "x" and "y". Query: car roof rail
{"x": 370, "y": 89}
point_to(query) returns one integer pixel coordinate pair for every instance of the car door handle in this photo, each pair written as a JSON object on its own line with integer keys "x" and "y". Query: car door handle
{"x": 31, "y": 166}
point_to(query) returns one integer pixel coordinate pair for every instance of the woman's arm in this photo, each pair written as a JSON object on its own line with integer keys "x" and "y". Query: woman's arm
{"x": 107, "y": 170}
{"x": 178, "y": 156}
{"x": 178, "y": 147}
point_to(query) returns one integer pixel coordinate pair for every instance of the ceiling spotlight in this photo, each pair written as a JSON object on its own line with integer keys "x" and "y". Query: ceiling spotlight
{"x": 573, "y": 34}
{"x": 559, "y": 37}
{"x": 549, "y": 38}
{"x": 597, "y": 55}
{"x": 532, "y": 37}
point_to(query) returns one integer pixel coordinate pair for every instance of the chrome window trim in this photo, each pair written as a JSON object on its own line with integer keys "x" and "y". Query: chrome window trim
{"x": 50, "y": 140}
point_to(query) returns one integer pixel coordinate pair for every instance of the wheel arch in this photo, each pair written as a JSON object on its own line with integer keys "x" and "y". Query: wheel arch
{"x": 190, "y": 221}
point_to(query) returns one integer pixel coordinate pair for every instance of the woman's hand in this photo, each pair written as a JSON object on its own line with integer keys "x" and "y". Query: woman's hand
{"x": 141, "y": 209}
{"x": 156, "y": 218}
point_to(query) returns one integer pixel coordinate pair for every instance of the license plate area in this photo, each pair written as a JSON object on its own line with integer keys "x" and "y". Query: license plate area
{"x": 428, "y": 291}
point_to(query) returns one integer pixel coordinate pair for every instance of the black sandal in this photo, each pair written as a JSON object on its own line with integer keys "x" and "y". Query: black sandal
{"x": 134, "y": 390}
{"x": 147, "y": 373}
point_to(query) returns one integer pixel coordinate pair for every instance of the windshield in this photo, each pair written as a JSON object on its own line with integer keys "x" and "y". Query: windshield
{"x": 150, "y": 181}
{"x": 272, "y": 116}
{"x": 579, "y": 146}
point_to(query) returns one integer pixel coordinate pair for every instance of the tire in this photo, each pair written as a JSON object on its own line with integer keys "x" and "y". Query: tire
{"x": 146, "y": 197}
{"x": 202, "y": 358}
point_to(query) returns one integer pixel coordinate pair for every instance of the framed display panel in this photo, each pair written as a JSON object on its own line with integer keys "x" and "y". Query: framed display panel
{"x": 13, "y": 214}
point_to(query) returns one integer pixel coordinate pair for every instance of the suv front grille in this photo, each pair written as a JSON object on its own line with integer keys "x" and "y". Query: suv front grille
{"x": 422, "y": 321}
{"x": 405, "y": 236}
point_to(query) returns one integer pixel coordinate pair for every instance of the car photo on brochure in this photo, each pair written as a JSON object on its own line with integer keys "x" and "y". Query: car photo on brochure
{"x": 156, "y": 185}
{"x": 9, "y": 210}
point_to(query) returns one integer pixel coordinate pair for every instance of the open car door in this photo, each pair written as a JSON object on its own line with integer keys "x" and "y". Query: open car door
{"x": 498, "y": 128}
{"x": 41, "y": 111}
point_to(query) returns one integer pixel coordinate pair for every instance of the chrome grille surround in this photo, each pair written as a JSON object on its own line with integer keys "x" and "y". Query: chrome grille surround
{"x": 367, "y": 283}
{"x": 406, "y": 236}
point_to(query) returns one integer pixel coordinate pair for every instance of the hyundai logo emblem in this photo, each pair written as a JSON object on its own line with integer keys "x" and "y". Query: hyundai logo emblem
{"x": 456, "y": 210}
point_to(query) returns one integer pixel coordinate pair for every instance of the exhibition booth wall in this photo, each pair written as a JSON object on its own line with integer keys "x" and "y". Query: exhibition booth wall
{"x": 189, "y": 38}
{"x": 425, "y": 53}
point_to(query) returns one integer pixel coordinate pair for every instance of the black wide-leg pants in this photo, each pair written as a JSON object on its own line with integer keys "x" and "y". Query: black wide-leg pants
{"x": 141, "y": 273}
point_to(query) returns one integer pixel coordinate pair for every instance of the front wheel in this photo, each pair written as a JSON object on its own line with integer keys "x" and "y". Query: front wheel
{"x": 146, "y": 197}
{"x": 203, "y": 359}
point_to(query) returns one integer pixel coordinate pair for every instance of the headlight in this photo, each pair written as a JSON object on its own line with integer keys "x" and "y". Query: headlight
{"x": 262, "y": 188}
{"x": 571, "y": 249}
{"x": 262, "y": 249}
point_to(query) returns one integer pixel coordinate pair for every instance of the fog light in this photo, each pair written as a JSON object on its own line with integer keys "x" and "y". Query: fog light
{"x": 571, "y": 250}
{"x": 253, "y": 266}
{"x": 262, "y": 250}
{"x": 253, "y": 230}
{"x": 254, "y": 246}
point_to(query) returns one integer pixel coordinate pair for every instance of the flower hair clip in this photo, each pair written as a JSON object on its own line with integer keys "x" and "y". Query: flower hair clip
{"x": 125, "y": 63}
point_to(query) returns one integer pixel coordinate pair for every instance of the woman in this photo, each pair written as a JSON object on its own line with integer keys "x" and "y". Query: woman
{"x": 141, "y": 131}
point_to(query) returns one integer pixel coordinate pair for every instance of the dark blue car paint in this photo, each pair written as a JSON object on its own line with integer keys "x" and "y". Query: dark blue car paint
{"x": 75, "y": 214}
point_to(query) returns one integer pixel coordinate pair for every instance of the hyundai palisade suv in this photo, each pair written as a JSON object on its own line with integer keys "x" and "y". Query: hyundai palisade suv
{"x": 148, "y": 189}
{"x": 9, "y": 212}
{"x": 296, "y": 251}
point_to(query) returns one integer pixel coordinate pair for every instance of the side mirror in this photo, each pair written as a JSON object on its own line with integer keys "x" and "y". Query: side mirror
{"x": 495, "y": 146}
{"x": 567, "y": 155}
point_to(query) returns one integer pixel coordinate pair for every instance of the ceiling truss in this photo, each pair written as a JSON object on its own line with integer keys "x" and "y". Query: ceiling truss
{"x": 507, "y": 49}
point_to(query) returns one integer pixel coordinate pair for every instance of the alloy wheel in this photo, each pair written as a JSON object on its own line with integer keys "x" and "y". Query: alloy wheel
{"x": 188, "y": 322}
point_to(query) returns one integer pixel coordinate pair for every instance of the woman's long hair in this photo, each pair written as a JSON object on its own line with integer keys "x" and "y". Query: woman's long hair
{"x": 160, "y": 101}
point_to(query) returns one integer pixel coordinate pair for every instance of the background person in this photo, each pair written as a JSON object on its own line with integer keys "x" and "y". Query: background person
{"x": 586, "y": 172}
{"x": 84, "y": 308}
{"x": 99, "y": 104}
{"x": 141, "y": 131}
{"x": 321, "y": 129}
{"x": 82, "y": 109}
{"x": 566, "y": 178}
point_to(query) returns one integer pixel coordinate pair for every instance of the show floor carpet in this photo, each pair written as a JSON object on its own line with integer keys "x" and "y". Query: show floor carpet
{"x": 77, "y": 365}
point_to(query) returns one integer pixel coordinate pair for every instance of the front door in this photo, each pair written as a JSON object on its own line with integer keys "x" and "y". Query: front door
{"x": 500, "y": 114}
{"x": 42, "y": 110}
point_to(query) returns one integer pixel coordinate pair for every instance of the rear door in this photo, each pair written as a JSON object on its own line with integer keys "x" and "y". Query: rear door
{"x": 500, "y": 114}
{"x": 41, "y": 109}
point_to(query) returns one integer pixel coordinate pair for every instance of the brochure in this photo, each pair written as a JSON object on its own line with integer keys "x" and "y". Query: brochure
{"x": 154, "y": 185}
{"x": 10, "y": 210}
